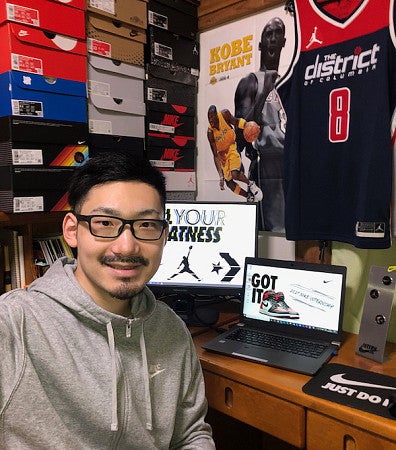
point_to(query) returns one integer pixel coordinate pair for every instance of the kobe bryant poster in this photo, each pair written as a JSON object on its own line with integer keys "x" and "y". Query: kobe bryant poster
{"x": 238, "y": 62}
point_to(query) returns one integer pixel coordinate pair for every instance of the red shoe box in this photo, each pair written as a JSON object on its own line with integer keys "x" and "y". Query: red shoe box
{"x": 28, "y": 49}
{"x": 80, "y": 4}
{"x": 48, "y": 15}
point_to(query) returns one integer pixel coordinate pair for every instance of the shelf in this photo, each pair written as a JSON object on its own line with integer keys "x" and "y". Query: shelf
{"x": 30, "y": 218}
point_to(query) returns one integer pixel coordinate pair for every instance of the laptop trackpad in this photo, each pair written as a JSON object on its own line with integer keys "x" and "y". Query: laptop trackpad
{"x": 254, "y": 353}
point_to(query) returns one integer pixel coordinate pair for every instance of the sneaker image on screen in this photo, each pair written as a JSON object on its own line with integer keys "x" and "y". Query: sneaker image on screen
{"x": 273, "y": 304}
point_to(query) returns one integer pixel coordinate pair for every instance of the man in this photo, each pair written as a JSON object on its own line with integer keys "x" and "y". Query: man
{"x": 256, "y": 99}
{"x": 89, "y": 358}
{"x": 221, "y": 137}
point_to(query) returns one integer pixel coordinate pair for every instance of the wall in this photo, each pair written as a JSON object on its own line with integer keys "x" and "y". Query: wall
{"x": 358, "y": 261}
{"x": 221, "y": 94}
{"x": 214, "y": 13}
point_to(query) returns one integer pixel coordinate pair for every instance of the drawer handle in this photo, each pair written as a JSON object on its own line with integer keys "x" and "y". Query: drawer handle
{"x": 228, "y": 397}
{"x": 349, "y": 442}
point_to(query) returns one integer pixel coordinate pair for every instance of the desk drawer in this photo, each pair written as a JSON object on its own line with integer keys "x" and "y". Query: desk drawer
{"x": 270, "y": 414}
{"x": 324, "y": 432}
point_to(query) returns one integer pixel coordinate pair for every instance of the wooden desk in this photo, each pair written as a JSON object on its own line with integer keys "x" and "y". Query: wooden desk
{"x": 272, "y": 401}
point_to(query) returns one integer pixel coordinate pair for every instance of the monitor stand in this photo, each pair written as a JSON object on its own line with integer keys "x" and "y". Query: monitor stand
{"x": 195, "y": 313}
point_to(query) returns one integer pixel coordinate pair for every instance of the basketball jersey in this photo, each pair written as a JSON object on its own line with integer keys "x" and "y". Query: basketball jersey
{"x": 339, "y": 95}
{"x": 225, "y": 136}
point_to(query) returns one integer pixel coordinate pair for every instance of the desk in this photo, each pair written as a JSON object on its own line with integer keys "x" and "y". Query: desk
{"x": 272, "y": 401}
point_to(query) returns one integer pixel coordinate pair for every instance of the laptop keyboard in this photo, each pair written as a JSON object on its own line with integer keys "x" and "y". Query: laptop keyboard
{"x": 288, "y": 344}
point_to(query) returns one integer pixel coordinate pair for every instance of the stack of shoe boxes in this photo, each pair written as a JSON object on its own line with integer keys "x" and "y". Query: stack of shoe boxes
{"x": 116, "y": 37}
{"x": 43, "y": 105}
{"x": 172, "y": 57}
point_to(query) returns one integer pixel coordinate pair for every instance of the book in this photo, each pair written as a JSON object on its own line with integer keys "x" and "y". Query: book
{"x": 21, "y": 258}
{"x": 6, "y": 268}
{"x": 48, "y": 248}
{"x": 9, "y": 239}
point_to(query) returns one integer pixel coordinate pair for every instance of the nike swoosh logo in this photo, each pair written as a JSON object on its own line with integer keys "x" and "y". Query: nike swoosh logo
{"x": 152, "y": 375}
{"x": 339, "y": 378}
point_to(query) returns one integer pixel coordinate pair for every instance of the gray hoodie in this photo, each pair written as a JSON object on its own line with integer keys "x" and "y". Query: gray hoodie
{"x": 75, "y": 376}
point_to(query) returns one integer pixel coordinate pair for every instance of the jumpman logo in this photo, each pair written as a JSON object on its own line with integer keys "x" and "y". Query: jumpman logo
{"x": 313, "y": 39}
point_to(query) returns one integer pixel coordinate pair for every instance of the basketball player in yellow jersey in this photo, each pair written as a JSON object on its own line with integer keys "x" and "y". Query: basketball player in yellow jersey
{"x": 221, "y": 137}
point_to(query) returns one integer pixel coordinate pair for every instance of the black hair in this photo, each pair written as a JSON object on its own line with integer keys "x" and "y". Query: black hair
{"x": 278, "y": 20}
{"x": 113, "y": 166}
{"x": 212, "y": 109}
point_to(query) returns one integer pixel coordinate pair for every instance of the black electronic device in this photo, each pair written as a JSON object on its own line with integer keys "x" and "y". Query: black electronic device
{"x": 204, "y": 256}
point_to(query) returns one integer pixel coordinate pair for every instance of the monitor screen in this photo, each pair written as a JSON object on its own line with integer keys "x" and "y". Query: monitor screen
{"x": 206, "y": 248}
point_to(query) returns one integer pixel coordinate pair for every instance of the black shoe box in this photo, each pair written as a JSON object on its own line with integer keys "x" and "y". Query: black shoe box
{"x": 13, "y": 128}
{"x": 174, "y": 75}
{"x": 161, "y": 94}
{"x": 172, "y": 158}
{"x": 174, "y": 20}
{"x": 32, "y": 189}
{"x": 43, "y": 154}
{"x": 102, "y": 143}
{"x": 42, "y": 142}
{"x": 189, "y": 7}
{"x": 165, "y": 128}
{"x": 172, "y": 51}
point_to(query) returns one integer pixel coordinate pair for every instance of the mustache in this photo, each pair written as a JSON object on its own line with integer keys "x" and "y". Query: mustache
{"x": 125, "y": 259}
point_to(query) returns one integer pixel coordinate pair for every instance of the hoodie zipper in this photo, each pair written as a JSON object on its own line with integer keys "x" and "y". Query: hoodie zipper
{"x": 129, "y": 328}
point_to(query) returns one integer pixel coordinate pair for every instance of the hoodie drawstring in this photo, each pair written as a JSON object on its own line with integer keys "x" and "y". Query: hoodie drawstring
{"x": 149, "y": 418}
{"x": 146, "y": 379}
{"x": 114, "y": 406}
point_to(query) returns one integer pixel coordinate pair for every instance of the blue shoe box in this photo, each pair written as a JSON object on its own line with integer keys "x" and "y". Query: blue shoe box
{"x": 30, "y": 95}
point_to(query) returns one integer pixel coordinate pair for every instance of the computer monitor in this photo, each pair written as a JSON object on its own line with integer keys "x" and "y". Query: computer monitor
{"x": 206, "y": 249}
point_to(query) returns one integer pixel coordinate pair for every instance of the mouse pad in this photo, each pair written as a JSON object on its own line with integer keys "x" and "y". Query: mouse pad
{"x": 357, "y": 388}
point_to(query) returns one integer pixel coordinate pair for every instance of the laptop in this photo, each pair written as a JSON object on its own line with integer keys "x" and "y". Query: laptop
{"x": 291, "y": 315}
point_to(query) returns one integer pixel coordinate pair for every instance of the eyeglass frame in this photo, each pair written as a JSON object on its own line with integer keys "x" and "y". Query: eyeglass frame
{"x": 89, "y": 217}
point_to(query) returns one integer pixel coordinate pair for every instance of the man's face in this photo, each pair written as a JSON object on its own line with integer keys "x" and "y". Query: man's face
{"x": 213, "y": 120}
{"x": 112, "y": 270}
{"x": 272, "y": 42}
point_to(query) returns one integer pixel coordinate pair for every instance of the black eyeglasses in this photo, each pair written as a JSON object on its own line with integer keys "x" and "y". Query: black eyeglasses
{"x": 112, "y": 227}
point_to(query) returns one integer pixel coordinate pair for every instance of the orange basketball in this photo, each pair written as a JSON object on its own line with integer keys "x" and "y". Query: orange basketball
{"x": 251, "y": 131}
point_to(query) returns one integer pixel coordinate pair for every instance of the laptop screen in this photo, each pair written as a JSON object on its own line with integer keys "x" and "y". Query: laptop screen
{"x": 297, "y": 294}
